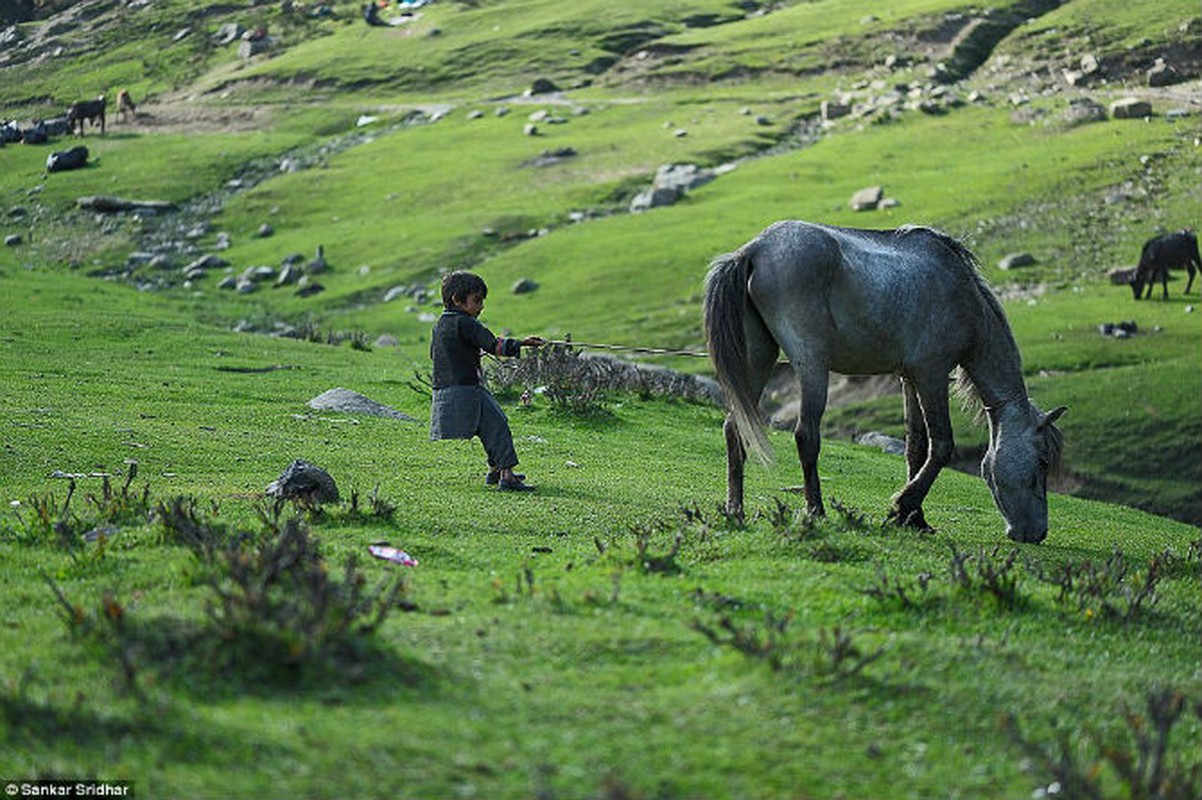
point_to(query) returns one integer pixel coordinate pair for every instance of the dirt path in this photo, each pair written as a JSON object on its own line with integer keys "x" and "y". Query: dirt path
{"x": 181, "y": 116}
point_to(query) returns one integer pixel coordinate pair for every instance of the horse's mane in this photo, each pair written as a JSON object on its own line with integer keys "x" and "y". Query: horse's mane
{"x": 995, "y": 317}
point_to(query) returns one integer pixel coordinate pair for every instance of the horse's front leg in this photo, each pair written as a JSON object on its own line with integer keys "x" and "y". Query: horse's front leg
{"x": 736, "y": 457}
{"x": 918, "y": 448}
{"x": 809, "y": 439}
{"x": 929, "y": 403}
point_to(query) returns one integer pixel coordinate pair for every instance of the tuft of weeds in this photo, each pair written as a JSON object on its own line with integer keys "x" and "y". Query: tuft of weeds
{"x": 106, "y": 626}
{"x": 893, "y": 591}
{"x": 1112, "y": 589}
{"x": 273, "y": 597}
{"x": 571, "y": 383}
{"x": 988, "y": 572}
{"x": 648, "y": 561}
{"x": 1142, "y": 762}
{"x": 44, "y": 519}
{"x": 378, "y": 508}
{"x": 121, "y": 508}
{"x": 769, "y": 642}
{"x": 834, "y": 655}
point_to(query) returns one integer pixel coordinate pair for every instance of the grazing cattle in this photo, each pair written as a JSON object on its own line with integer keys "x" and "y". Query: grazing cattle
{"x": 1177, "y": 250}
{"x": 86, "y": 110}
{"x": 125, "y": 105}
{"x": 61, "y": 160}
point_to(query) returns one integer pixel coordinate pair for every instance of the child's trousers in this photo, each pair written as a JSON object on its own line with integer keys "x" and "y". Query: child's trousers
{"x": 461, "y": 412}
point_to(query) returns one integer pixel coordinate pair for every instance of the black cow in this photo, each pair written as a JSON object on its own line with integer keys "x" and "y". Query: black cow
{"x": 89, "y": 110}
{"x": 1177, "y": 250}
{"x": 62, "y": 160}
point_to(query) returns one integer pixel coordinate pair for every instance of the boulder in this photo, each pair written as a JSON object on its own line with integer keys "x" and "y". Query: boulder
{"x": 349, "y": 402}
{"x": 888, "y": 444}
{"x": 304, "y": 483}
{"x": 1162, "y": 74}
{"x": 867, "y": 199}
{"x": 1016, "y": 260}
{"x": 1130, "y": 108}
{"x": 524, "y": 286}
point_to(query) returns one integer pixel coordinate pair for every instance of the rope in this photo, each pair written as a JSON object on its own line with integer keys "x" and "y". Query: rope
{"x": 658, "y": 351}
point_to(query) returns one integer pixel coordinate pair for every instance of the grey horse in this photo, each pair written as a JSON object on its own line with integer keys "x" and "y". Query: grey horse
{"x": 911, "y": 302}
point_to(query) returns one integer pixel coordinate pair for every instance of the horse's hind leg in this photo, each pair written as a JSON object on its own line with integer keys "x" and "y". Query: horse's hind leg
{"x": 761, "y": 359}
{"x": 736, "y": 457}
{"x": 917, "y": 441}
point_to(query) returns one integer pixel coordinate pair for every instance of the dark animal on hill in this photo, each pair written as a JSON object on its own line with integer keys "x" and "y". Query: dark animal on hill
{"x": 1177, "y": 250}
{"x": 62, "y": 160}
{"x": 125, "y": 105}
{"x": 911, "y": 302}
{"x": 36, "y": 133}
{"x": 86, "y": 110}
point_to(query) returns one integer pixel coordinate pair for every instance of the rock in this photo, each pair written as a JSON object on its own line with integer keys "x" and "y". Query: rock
{"x": 1082, "y": 109}
{"x": 867, "y": 199}
{"x": 832, "y": 110}
{"x": 12, "y": 240}
{"x": 304, "y": 483}
{"x": 386, "y": 340}
{"x": 1016, "y": 260}
{"x": 888, "y": 444}
{"x": 671, "y": 182}
{"x": 530, "y": 129}
{"x": 524, "y": 286}
{"x": 542, "y": 86}
{"x": 1162, "y": 74}
{"x": 1130, "y": 108}
{"x": 317, "y": 264}
{"x": 264, "y": 231}
{"x": 350, "y": 402}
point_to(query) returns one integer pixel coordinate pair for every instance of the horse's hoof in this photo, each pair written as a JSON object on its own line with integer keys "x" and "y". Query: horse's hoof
{"x": 910, "y": 519}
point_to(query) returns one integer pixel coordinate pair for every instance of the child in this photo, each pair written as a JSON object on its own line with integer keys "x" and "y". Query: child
{"x": 462, "y": 407}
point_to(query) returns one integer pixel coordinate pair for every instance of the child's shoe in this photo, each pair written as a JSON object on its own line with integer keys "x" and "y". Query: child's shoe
{"x": 494, "y": 475}
{"x": 515, "y": 484}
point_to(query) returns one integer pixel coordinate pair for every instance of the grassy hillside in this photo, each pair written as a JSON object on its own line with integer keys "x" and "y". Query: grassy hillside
{"x": 613, "y": 634}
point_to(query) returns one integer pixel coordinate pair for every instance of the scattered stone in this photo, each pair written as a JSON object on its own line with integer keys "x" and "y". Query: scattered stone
{"x": 264, "y": 231}
{"x": 867, "y": 199}
{"x": 386, "y": 340}
{"x": 530, "y": 129}
{"x": 832, "y": 110}
{"x": 888, "y": 444}
{"x": 1130, "y": 108}
{"x": 671, "y": 182}
{"x": 1016, "y": 260}
{"x": 524, "y": 286}
{"x": 1162, "y": 74}
{"x": 350, "y": 402}
{"x": 13, "y": 239}
{"x": 542, "y": 86}
{"x": 108, "y": 204}
{"x": 318, "y": 264}
{"x": 1119, "y": 330}
{"x": 304, "y": 483}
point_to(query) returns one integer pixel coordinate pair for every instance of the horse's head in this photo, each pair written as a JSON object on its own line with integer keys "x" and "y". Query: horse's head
{"x": 1024, "y": 445}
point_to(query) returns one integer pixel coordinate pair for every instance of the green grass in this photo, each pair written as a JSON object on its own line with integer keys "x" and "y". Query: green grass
{"x": 537, "y": 651}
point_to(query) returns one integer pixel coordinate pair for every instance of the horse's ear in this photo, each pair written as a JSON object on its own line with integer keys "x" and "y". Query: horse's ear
{"x": 1052, "y": 416}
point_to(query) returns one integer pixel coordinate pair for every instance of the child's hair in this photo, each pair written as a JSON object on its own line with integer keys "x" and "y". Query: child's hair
{"x": 457, "y": 285}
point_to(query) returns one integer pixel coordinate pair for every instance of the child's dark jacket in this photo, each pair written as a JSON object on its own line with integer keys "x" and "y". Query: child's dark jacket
{"x": 462, "y": 407}
{"x": 456, "y": 346}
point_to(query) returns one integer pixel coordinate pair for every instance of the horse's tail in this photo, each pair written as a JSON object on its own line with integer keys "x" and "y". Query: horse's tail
{"x": 726, "y": 302}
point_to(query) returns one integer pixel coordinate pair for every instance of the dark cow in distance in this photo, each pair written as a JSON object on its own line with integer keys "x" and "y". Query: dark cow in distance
{"x": 1177, "y": 250}
{"x": 86, "y": 110}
